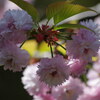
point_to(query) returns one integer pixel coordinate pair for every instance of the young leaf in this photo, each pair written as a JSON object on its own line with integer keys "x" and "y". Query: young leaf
{"x": 63, "y": 10}
{"x": 27, "y": 7}
{"x": 63, "y": 26}
{"x": 53, "y": 9}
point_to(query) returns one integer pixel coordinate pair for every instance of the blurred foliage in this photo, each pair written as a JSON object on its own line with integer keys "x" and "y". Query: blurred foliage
{"x": 94, "y": 58}
{"x": 83, "y": 78}
{"x": 34, "y": 48}
{"x": 42, "y": 4}
{"x": 43, "y": 47}
{"x": 87, "y": 3}
{"x": 60, "y": 49}
{"x": 62, "y": 10}
{"x": 45, "y": 3}
{"x": 27, "y": 7}
{"x": 30, "y": 46}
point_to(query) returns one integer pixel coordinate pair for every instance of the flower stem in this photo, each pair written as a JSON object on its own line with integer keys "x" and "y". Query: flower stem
{"x": 47, "y": 22}
{"x": 22, "y": 44}
{"x": 60, "y": 45}
{"x": 51, "y": 50}
{"x": 25, "y": 41}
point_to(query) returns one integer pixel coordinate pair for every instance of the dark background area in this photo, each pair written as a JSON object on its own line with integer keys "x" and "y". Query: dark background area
{"x": 11, "y": 87}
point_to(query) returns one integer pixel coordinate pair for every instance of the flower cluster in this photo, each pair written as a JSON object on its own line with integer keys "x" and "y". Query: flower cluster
{"x": 13, "y": 32}
{"x": 55, "y": 78}
{"x": 85, "y": 44}
{"x": 45, "y": 33}
{"x": 70, "y": 89}
{"x": 80, "y": 50}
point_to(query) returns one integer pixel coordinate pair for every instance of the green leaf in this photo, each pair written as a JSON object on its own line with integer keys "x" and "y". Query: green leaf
{"x": 83, "y": 78}
{"x": 64, "y": 26}
{"x": 27, "y": 7}
{"x": 63, "y": 10}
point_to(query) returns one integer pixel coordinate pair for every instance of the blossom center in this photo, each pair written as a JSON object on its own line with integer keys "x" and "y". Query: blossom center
{"x": 86, "y": 51}
{"x": 53, "y": 72}
{"x": 47, "y": 34}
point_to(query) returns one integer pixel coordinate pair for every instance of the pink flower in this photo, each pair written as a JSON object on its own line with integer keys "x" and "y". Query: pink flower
{"x": 3, "y": 26}
{"x": 53, "y": 71}
{"x": 24, "y": 22}
{"x": 13, "y": 27}
{"x": 3, "y": 42}
{"x": 83, "y": 45}
{"x": 13, "y": 58}
{"x": 2, "y": 3}
{"x": 77, "y": 67}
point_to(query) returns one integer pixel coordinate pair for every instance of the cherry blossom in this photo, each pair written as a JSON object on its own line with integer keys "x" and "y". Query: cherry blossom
{"x": 53, "y": 71}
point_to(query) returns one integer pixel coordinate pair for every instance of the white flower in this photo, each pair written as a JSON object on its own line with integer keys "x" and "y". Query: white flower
{"x": 94, "y": 75}
{"x": 31, "y": 81}
{"x": 90, "y": 93}
{"x": 91, "y": 24}
{"x": 69, "y": 90}
{"x": 43, "y": 97}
